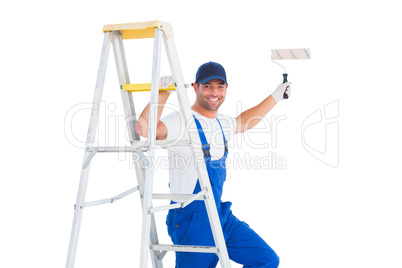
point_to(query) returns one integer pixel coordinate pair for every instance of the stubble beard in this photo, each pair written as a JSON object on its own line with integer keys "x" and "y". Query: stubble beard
{"x": 203, "y": 101}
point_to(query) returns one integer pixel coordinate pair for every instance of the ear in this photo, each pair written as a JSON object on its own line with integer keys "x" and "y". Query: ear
{"x": 195, "y": 85}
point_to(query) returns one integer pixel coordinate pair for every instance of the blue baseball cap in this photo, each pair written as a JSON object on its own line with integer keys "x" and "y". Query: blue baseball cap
{"x": 210, "y": 70}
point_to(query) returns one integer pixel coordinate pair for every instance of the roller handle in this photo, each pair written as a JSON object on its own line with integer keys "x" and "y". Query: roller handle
{"x": 285, "y": 79}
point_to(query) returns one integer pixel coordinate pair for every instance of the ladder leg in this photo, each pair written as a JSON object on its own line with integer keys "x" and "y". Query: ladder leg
{"x": 126, "y": 96}
{"x": 155, "y": 255}
{"x": 128, "y": 104}
{"x": 72, "y": 249}
{"x": 201, "y": 168}
{"x": 156, "y": 260}
{"x": 148, "y": 183}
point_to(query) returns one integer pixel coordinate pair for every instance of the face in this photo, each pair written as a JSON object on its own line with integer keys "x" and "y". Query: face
{"x": 211, "y": 95}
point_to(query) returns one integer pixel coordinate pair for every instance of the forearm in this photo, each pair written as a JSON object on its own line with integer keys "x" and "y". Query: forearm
{"x": 143, "y": 121}
{"x": 251, "y": 117}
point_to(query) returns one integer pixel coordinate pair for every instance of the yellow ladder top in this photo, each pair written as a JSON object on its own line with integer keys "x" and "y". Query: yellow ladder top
{"x": 143, "y": 87}
{"x": 138, "y": 30}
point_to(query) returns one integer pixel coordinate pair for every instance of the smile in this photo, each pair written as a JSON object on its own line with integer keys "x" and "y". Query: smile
{"x": 213, "y": 100}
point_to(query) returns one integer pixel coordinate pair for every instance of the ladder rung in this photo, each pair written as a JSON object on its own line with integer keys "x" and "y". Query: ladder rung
{"x": 175, "y": 196}
{"x": 112, "y": 199}
{"x": 195, "y": 197}
{"x": 142, "y": 87}
{"x": 162, "y": 208}
{"x": 184, "y": 248}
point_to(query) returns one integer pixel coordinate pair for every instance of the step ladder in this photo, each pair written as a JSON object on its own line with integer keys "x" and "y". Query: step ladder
{"x": 145, "y": 149}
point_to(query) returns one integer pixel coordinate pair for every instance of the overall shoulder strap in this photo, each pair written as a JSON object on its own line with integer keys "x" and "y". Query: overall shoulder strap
{"x": 205, "y": 145}
{"x": 224, "y": 138}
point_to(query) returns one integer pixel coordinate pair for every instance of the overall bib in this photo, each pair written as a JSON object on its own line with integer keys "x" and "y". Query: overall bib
{"x": 190, "y": 225}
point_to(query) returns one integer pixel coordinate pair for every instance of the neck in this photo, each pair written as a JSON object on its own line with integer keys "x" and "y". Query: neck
{"x": 204, "y": 112}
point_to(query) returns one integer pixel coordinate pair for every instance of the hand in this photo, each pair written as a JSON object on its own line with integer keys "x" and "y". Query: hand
{"x": 280, "y": 90}
{"x": 165, "y": 82}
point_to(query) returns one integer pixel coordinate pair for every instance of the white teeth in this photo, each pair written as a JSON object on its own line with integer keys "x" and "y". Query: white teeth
{"x": 213, "y": 99}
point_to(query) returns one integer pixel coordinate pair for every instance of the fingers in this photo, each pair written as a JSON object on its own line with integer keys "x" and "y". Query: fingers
{"x": 288, "y": 84}
{"x": 289, "y": 91}
{"x": 284, "y": 86}
{"x": 278, "y": 94}
{"x": 287, "y": 88}
{"x": 166, "y": 81}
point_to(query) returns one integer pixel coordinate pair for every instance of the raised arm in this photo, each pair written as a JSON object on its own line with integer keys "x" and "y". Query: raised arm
{"x": 143, "y": 121}
{"x": 251, "y": 117}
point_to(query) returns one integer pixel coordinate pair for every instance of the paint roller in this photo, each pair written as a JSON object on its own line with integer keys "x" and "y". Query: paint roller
{"x": 289, "y": 54}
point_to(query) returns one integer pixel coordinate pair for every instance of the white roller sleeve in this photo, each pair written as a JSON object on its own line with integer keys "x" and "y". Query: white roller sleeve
{"x": 290, "y": 54}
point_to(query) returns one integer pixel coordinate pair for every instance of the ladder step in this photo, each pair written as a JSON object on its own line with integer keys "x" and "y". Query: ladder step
{"x": 142, "y": 87}
{"x": 139, "y": 144}
{"x": 181, "y": 248}
{"x": 192, "y": 198}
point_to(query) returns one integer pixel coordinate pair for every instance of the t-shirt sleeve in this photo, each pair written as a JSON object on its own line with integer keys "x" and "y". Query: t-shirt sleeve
{"x": 175, "y": 126}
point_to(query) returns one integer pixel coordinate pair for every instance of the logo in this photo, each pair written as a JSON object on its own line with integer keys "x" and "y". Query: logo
{"x": 320, "y": 134}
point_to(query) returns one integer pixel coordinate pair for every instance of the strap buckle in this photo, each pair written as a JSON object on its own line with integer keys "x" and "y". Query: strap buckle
{"x": 205, "y": 149}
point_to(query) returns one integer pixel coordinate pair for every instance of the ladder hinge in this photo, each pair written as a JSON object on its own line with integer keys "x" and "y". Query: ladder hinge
{"x": 75, "y": 207}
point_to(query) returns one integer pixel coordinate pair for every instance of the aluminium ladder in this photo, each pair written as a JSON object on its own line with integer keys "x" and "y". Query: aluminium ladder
{"x": 145, "y": 149}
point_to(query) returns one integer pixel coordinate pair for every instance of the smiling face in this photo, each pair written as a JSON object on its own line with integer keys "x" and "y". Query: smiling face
{"x": 210, "y": 95}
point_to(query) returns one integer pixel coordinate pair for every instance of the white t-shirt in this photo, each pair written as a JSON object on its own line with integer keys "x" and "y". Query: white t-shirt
{"x": 182, "y": 172}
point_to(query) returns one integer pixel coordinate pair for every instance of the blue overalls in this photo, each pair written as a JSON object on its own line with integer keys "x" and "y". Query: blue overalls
{"x": 190, "y": 225}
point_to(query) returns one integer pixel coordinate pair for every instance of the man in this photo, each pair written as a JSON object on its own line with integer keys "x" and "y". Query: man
{"x": 190, "y": 225}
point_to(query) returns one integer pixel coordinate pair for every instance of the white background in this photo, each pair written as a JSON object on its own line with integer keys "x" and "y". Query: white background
{"x": 313, "y": 214}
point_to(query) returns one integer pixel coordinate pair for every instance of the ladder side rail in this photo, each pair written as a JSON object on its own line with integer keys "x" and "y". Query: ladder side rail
{"x": 122, "y": 72}
{"x": 131, "y": 120}
{"x": 155, "y": 255}
{"x": 197, "y": 152}
{"x": 138, "y": 157}
{"x": 140, "y": 171}
{"x": 152, "y": 123}
{"x": 75, "y": 230}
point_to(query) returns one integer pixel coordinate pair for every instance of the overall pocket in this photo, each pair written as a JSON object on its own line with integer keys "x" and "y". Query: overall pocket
{"x": 199, "y": 231}
{"x": 180, "y": 225}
